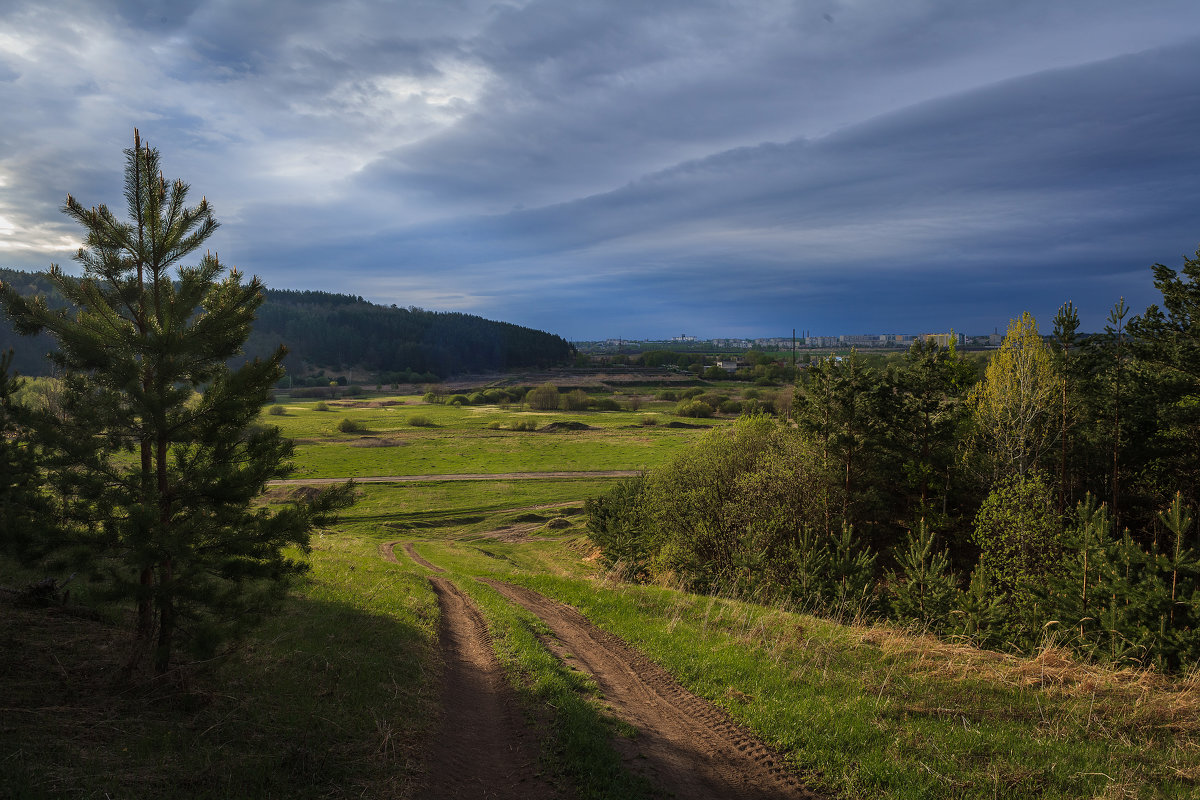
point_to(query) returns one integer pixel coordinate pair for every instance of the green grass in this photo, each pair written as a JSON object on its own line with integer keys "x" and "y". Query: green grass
{"x": 460, "y": 441}
{"x": 334, "y": 695}
{"x": 330, "y": 697}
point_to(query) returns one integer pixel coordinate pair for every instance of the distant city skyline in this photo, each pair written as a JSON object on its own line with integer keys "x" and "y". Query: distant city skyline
{"x": 585, "y": 168}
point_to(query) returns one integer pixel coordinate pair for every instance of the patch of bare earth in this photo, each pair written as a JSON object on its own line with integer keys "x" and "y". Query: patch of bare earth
{"x": 685, "y": 745}
{"x": 484, "y": 748}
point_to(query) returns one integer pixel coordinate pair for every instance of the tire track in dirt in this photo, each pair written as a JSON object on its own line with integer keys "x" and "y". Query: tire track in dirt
{"x": 483, "y": 748}
{"x": 692, "y": 748}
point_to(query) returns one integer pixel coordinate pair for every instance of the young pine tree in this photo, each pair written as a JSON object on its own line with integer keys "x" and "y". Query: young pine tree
{"x": 922, "y": 587}
{"x": 154, "y": 451}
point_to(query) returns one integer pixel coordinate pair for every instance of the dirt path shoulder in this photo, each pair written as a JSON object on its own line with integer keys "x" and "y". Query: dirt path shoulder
{"x": 689, "y": 747}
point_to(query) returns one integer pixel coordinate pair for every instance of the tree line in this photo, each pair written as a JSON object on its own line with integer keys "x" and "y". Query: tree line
{"x": 337, "y": 332}
{"x": 1053, "y": 493}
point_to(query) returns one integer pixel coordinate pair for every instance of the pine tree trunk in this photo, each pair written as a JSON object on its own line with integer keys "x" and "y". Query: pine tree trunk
{"x": 166, "y": 621}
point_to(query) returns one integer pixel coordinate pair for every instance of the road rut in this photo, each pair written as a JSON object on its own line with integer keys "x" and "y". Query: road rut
{"x": 692, "y": 748}
{"x": 685, "y": 746}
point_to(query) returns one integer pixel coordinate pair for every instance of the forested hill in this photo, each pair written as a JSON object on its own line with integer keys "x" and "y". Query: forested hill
{"x": 339, "y": 332}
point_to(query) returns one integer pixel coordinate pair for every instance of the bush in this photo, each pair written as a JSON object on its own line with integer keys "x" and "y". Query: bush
{"x": 752, "y": 407}
{"x": 432, "y": 397}
{"x": 723, "y": 515}
{"x": 457, "y": 400}
{"x": 348, "y": 425}
{"x": 667, "y": 394}
{"x": 476, "y": 399}
{"x": 1016, "y": 531}
{"x": 321, "y": 406}
{"x": 525, "y": 425}
{"x": 494, "y": 425}
{"x": 607, "y": 404}
{"x": 276, "y": 411}
{"x": 575, "y": 400}
{"x": 648, "y": 421}
{"x": 730, "y": 407}
{"x": 419, "y": 421}
{"x": 543, "y": 398}
{"x": 688, "y": 394}
{"x": 694, "y": 408}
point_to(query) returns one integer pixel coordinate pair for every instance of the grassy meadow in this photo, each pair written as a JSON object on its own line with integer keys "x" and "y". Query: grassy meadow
{"x": 472, "y": 439}
{"x": 333, "y": 696}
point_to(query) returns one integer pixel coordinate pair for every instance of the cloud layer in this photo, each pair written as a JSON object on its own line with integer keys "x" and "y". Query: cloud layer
{"x": 631, "y": 169}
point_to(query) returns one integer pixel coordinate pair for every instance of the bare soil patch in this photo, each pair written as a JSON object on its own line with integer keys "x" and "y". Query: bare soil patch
{"x": 686, "y": 745}
{"x": 484, "y": 748}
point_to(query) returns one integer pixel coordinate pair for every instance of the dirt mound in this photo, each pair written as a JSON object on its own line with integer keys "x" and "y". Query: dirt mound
{"x": 678, "y": 424}
{"x": 374, "y": 441}
{"x": 277, "y": 494}
{"x": 564, "y": 426}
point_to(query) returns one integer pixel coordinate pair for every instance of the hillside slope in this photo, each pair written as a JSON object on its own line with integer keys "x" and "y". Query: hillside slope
{"x": 338, "y": 332}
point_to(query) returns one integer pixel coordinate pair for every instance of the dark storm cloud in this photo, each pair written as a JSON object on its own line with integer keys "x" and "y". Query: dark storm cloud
{"x": 1018, "y": 196}
{"x": 719, "y": 167}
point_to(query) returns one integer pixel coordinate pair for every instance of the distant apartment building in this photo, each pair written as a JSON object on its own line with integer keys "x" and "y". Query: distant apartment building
{"x": 944, "y": 339}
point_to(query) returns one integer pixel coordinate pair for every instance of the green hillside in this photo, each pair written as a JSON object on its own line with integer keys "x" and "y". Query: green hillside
{"x": 337, "y": 332}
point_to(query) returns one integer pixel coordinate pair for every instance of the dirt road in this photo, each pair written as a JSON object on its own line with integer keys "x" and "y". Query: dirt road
{"x": 686, "y": 746}
{"x": 461, "y": 476}
{"x": 689, "y": 747}
{"x": 483, "y": 748}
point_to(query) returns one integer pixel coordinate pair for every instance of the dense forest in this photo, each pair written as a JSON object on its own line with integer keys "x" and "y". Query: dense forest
{"x": 337, "y": 332}
{"x": 1051, "y": 496}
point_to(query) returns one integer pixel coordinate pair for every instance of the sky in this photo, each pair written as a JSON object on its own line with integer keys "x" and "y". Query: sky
{"x": 634, "y": 169}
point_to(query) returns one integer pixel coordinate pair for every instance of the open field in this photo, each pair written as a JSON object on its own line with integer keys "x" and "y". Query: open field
{"x": 458, "y": 439}
{"x": 338, "y": 694}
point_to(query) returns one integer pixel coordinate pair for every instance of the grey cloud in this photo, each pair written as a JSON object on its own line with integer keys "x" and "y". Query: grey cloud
{"x": 577, "y": 165}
